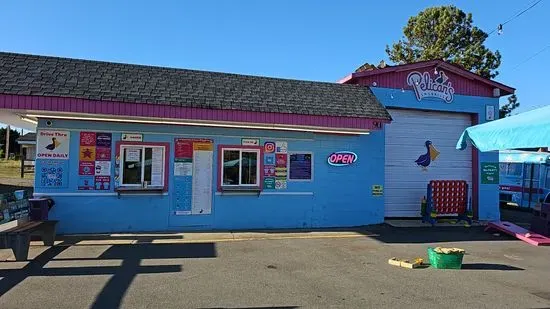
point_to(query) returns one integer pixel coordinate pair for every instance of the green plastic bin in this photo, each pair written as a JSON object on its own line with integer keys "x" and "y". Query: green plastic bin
{"x": 445, "y": 261}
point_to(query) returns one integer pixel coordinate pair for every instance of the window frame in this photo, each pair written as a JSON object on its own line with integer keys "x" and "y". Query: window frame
{"x": 120, "y": 146}
{"x": 289, "y": 153}
{"x": 260, "y": 166}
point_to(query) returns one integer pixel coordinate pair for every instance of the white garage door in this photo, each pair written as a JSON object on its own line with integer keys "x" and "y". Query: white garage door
{"x": 405, "y": 180}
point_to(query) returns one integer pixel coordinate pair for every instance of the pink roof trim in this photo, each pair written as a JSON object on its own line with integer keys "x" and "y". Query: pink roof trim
{"x": 440, "y": 63}
{"x": 72, "y": 105}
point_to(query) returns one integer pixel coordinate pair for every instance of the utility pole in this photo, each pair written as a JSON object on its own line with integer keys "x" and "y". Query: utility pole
{"x": 7, "y": 142}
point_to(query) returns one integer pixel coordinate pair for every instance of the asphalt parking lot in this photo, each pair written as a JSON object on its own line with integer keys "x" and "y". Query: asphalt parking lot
{"x": 336, "y": 270}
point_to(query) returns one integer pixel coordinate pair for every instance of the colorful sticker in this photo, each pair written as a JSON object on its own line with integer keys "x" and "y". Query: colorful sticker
{"x": 117, "y": 171}
{"x": 102, "y": 154}
{"x": 86, "y": 183}
{"x": 87, "y": 153}
{"x": 280, "y": 184}
{"x": 269, "y": 147}
{"x": 103, "y": 168}
{"x": 104, "y": 140}
{"x": 269, "y": 183}
{"x": 87, "y": 139}
{"x": 281, "y": 159}
{"x": 269, "y": 170}
{"x": 281, "y": 147}
{"x": 269, "y": 159}
{"x": 86, "y": 168}
{"x": 102, "y": 182}
{"x": 281, "y": 172}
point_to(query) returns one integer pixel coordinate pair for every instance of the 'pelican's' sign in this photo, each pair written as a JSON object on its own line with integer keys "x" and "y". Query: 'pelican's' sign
{"x": 342, "y": 158}
{"x": 425, "y": 87}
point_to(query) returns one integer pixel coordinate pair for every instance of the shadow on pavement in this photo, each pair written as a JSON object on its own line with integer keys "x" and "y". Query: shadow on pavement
{"x": 418, "y": 235}
{"x": 139, "y": 239}
{"x": 122, "y": 276}
{"x": 488, "y": 266}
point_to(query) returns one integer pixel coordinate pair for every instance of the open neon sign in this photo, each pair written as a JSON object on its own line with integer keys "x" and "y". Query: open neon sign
{"x": 342, "y": 158}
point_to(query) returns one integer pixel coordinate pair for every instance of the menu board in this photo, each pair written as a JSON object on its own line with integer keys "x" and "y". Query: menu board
{"x": 193, "y": 172}
{"x": 300, "y": 166}
{"x": 202, "y": 182}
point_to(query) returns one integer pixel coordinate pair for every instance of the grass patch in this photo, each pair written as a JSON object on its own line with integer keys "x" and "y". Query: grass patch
{"x": 10, "y": 163}
{"x": 12, "y": 169}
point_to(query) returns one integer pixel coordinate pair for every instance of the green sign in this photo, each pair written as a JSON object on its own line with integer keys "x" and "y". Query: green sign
{"x": 377, "y": 190}
{"x": 269, "y": 183}
{"x": 489, "y": 173}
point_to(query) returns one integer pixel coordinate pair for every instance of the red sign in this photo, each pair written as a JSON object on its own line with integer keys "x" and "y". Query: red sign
{"x": 102, "y": 154}
{"x": 86, "y": 168}
{"x": 342, "y": 158}
{"x": 281, "y": 159}
{"x": 87, "y": 138}
{"x": 183, "y": 147}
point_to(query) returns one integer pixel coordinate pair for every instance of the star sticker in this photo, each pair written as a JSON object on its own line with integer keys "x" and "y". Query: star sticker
{"x": 87, "y": 153}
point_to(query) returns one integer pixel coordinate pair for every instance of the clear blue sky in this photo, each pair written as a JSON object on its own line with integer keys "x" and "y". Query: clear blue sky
{"x": 312, "y": 40}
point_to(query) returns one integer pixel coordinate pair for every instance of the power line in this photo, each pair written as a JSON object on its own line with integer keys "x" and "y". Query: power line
{"x": 499, "y": 29}
{"x": 518, "y": 14}
{"x": 531, "y": 57}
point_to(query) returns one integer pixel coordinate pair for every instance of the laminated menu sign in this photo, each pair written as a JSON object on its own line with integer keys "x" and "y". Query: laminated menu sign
{"x": 202, "y": 182}
{"x": 183, "y": 169}
{"x": 300, "y": 166}
{"x": 156, "y": 167}
{"x": 193, "y": 172}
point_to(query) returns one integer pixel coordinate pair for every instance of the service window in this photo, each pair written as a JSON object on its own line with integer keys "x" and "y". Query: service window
{"x": 142, "y": 165}
{"x": 240, "y": 167}
{"x": 300, "y": 166}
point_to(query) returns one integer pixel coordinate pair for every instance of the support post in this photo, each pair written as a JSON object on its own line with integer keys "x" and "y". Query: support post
{"x": 7, "y": 154}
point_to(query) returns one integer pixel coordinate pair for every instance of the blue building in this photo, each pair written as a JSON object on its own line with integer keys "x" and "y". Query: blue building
{"x": 126, "y": 148}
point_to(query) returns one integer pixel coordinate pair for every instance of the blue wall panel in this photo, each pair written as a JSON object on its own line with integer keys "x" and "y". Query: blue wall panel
{"x": 337, "y": 196}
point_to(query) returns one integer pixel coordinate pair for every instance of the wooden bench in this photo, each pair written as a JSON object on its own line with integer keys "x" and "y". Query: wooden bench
{"x": 18, "y": 238}
{"x": 17, "y": 228}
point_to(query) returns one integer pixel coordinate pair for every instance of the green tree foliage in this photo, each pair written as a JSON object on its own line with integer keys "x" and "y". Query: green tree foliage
{"x": 447, "y": 33}
{"x": 14, "y": 147}
{"x": 506, "y": 109}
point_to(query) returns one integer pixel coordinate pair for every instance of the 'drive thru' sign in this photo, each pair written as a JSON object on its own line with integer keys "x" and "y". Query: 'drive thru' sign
{"x": 342, "y": 158}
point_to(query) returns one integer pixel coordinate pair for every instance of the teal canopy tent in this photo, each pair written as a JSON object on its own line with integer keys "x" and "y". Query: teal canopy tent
{"x": 526, "y": 130}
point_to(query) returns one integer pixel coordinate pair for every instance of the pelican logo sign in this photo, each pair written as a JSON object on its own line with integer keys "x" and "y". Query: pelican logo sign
{"x": 52, "y": 144}
{"x": 425, "y": 87}
{"x": 342, "y": 158}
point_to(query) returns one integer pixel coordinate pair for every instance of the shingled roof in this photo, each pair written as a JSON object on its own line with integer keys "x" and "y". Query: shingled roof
{"x": 33, "y": 75}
